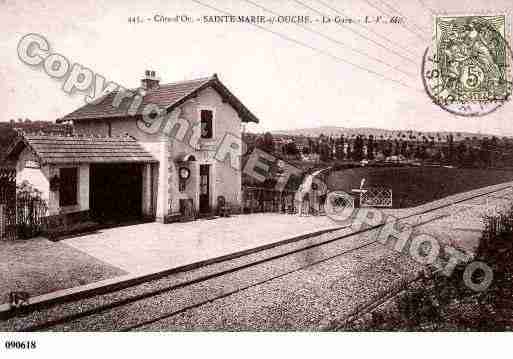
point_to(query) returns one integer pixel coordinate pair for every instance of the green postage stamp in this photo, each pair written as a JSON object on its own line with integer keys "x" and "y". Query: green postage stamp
{"x": 467, "y": 70}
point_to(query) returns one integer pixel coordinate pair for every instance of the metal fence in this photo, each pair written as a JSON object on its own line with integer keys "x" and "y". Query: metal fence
{"x": 22, "y": 215}
{"x": 501, "y": 224}
{"x": 376, "y": 197}
{"x": 8, "y": 229}
{"x": 256, "y": 199}
{"x": 31, "y": 215}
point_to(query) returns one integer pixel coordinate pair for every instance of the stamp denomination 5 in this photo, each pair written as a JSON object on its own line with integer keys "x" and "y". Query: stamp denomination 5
{"x": 467, "y": 70}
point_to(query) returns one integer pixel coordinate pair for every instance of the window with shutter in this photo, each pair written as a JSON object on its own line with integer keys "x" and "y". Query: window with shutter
{"x": 206, "y": 124}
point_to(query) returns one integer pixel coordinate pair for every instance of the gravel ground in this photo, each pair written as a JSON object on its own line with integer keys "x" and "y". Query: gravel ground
{"x": 307, "y": 295}
{"x": 313, "y": 298}
{"x": 40, "y": 266}
{"x": 461, "y": 225}
{"x": 65, "y": 309}
{"x": 310, "y": 299}
{"x": 197, "y": 293}
{"x": 352, "y": 278}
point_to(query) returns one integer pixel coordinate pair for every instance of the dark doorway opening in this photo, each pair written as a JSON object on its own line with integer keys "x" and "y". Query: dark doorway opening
{"x": 115, "y": 192}
{"x": 204, "y": 197}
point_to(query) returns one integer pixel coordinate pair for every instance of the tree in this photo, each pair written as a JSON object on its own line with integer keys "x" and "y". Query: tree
{"x": 461, "y": 152}
{"x": 291, "y": 149}
{"x": 339, "y": 148}
{"x": 266, "y": 143}
{"x": 387, "y": 147}
{"x": 325, "y": 154}
{"x": 403, "y": 148}
{"x": 358, "y": 149}
{"x": 370, "y": 147}
{"x": 450, "y": 149}
{"x": 485, "y": 152}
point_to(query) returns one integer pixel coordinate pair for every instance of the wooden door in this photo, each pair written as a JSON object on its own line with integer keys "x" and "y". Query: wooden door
{"x": 204, "y": 197}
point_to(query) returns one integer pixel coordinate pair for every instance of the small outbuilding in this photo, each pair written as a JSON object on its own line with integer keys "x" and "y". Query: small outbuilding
{"x": 104, "y": 178}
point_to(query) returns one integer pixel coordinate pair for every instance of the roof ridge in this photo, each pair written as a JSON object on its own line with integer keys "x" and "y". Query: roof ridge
{"x": 200, "y": 79}
{"x": 168, "y": 95}
{"x": 78, "y": 137}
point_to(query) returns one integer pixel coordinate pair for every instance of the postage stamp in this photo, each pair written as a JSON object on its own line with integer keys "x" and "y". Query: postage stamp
{"x": 467, "y": 70}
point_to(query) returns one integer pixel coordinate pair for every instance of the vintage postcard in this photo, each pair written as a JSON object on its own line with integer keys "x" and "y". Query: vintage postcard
{"x": 255, "y": 166}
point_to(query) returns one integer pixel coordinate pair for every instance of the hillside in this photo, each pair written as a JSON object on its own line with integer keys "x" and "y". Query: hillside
{"x": 413, "y": 186}
{"x": 376, "y": 132}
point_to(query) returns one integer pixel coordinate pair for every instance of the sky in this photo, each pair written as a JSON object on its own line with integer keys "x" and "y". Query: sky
{"x": 344, "y": 75}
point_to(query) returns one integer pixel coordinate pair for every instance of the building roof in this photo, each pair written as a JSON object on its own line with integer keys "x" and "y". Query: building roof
{"x": 67, "y": 149}
{"x": 167, "y": 96}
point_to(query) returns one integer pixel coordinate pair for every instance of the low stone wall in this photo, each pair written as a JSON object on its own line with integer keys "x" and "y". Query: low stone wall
{"x": 67, "y": 223}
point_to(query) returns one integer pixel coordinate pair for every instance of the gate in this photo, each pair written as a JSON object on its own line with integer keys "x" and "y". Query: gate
{"x": 7, "y": 203}
{"x": 256, "y": 199}
{"x": 376, "y": 197}
{"x": 31, "y": 215}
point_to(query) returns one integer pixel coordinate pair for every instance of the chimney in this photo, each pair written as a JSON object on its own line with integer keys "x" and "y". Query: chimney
{"x": 150, "y": 80}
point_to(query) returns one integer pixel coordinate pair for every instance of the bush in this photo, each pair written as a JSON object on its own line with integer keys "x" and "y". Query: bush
{"x": 31, "y": 210}
{"x": 26, "y": 189}
{"x": 445, "y": 303}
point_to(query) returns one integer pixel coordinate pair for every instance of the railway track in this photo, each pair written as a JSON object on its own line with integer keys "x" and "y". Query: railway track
{"x": 100, "y": 310}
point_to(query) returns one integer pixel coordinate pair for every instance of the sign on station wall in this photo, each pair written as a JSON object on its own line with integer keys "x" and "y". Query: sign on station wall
{"x": 32, "y": 164}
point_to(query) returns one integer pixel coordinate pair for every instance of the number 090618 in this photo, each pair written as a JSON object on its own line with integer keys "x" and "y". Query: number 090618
{"x": 20, "y": 345}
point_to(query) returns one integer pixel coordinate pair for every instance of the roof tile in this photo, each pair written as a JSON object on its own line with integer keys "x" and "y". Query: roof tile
{"x": 57, "y": 149}
{"x": 165, "y": 96}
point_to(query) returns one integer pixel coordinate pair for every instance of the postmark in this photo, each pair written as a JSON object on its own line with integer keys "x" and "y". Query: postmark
{"x": 467, "y": 69}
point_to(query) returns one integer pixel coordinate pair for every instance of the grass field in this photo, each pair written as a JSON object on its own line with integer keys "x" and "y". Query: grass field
{"x": 413, "y": 186}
